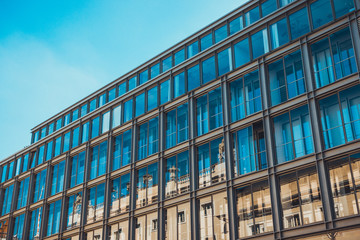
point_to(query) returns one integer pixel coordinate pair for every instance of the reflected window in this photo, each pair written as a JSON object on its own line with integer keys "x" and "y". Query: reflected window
{"x": 286, "y": 78}
{"x": 177, "y": 126}
{"x": 74, "y": 210}
{"x": 85, "y": 132}
{"x": 206, "y": 41}
{"x": 293, "y": 136}
{"x": 39, "y": 188}
{"x": 120, "y": 195}
{"x": 122, "y": 89}
{"x": 51, "y": 127}
{"x": 105, "y": 122}
{"x": 192, "y": 49}
{"x": 211, "y": 162}
{"x": 341, "y": 121}
{"x": 122, "y": 150}
{"x": 95, "y": 207}
{"x": 57, "y": 182}
{"x": 4, "y": 173}
{"x": 299, "y": 23}
{"x": 57, "y": 150}
{"x": 119, "y": 231}
{"x": 152, "y": 98}
{"x": 83, "y": 112}
{"x": 146, "y": 226}
{"x": 75, "y": 115}
{"x": 59, "y": 122}
{"x": 285, "y": 2}
{"x": 245, "y": 96}
{"x": 193, "y": 77}
{"x": 260, "y": 43}
{"x": 300, "y": 198}
{"x": 66, "y": 145}
{"x": 116, "y": 116}
{"x": 254, "y": 209}
{"x": 18, "y": 227}
{"x": 94, "y": 235}
{"x": 214, "y": 220}
{"x": 220, "y": 33}
{"x": 177, "y": 175}
{"x": 148, "y": 141}
{"x": 112, "y": 94}
{"x": 165, "y": 92}
{"x": 102, "y": 99}
{"x": 236, "y": 25}
{"x": 209, "y": 112}
{"x": 53, "y": 224}
{"x": 242, "y": 52}
{"x": 77, "y": 169}
{"x": 128, "y": 110}
{"x": 321, "y": 13}
{"x": 224, "y": 61}
{"x": 140, "y": 104}
{"x": 208, "y": 70}
{"x": 343, "y": 174}
{"x": 95, "y": 127}
{"x": 147, "y": 185}
{"x": 179, "y": 84}
{"x": 279, "y": 33}
{"x": 7, "y": 199}
{"x": 23, "y": 193}
{"x": 49, "y": 153}
{"x": 177, "y": 222}
{"x": 25, "y": 163}
{"x": 249, "y": 149}
{"x": 252, "y": 16}
{"x": 35, "y": 223}
{"x": 98, "y": 160}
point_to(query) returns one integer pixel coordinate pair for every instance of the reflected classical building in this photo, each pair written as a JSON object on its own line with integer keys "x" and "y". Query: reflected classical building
{"x": 247, "y": 129}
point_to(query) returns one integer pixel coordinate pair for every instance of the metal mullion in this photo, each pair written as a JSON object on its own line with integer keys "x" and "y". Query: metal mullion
{"x": 244, "y": 96}
{"x": 354, "y": 184}
{"x": 176, "y": 124}
{"x": 121, "y": 150}
{"x": 285, "y": 77}
{"x": 292, "y": 136}
{"x": 342, "y": 117}
{"x": 254, "y": 137}
{"x": 332, "y": 60}
{"x": 147, "y": 138}
{"x": 299, "y": 196}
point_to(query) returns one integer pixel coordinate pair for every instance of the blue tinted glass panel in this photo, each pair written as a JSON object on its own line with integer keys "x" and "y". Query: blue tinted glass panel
{"x": 192, "y": 49}
{"x": 208, "y": 70}
{"x": 155, "y": 70}
{"x": 43, "y": 133}
{"x": 215, "y": 109}
{"x": 116, "y": 116}
{"x": 105, "y": 122}
{"x": 143, "y": 141}
{"x": 49, "y": 150}
{"x": 245, "y": 151}
{"x": 66, "y": 146}
{"x": 268, "y": 7}
{"x": 93, "y": 104}
{"x": 206, "y": 42}
{"x": 25, "y": 163}
{"x": 322, "y": 63}
{"x": 75, "y": 114}
{"x": 95, "y": 125}
{"x": 343, "y": 53}
{"x": 193, "y": 77}
{"x": 350, "y": 105}
{"x": 112, "y": 94}
{"x": 182, "y": 123}
{"x": 152, "y": 98}
{"x": 299, "y": 23}
{"x": 301, "y": 130}
{"x": 260, "y": 43}
{"x": 75, "y": 137}
{"x": 132, "y": 83}
{"x": 58, "y": 124}
{"x": 333, "y": 131}
{"x": 236, "y": 25}
{"x": 220, "y": 33}
{"x": 179, "y": 57}
{"x": 4, "y": 173}
{"x": 126, "y": 150}
{"x": 19, "y": 226}
{"x": 165, "y": 92}
{"x": 122, "y": 88}
{"x": 171, "y": 129}
{"x": 7, "y": 200}
{"x": 84, "y": 111}
{"x": 252, "y": 92}
{"x": 51, "y": 128}
{"x": 179, "y": 84}
{"x": 143, "y": 77}
{"x": 321, "y": 13}
{"x": 343, "y": 7}
{"x": 242, "y": 52}
{"x": 57, "y": 147}
{"x": 139, "y": 104}
{"x": 252, "y": 16}
{"x": 128, "y": 110}
{"x": 282, "y": 130}
{"x": 224, "y": 61}
{"x": 77, "y": 169}
{"x": 276, "y": 76}
{"x": 202, "y": 116}
{"x": 102, "y": 100}
{"x": 166, "y": 64}
{"x": 153, "y": 135}
{"x": 285, "y": 2}
{"x": 279, "y": 33}
{"x": 294, "y": 74}
{"x": 85, "y": 132}
{"x": 41, "y": 154}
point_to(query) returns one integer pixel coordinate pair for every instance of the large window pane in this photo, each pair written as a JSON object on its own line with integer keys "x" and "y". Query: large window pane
{"x": 53, "y": 224}
{"x": 128, "y": 110}
{"x": 147, "y": 185}
{"x": 148, "y": 138}
{"x": 179, "y": 57}
{"x": 343, "y": 7}
{"x": 206, "y": 41}
{"x": 208, "y": 70}
{"x": 192, "y": 49}
{"x": 321, "y": 13}
{"x": 165, "y": 92}
{"x": 39, "y": 186}
{"x": 132, "y": 82}
{"x": 36, "y": 218}
{"x": 299, "y": 23}
{"x": 122, "y": 150}
{"x": 242, "y": 52}
{"x": 224, "y": 61}
{"x": 77, "y": 169}
{"x": 260, "y": 43}
{"x": 95, "y": 127}
{"x": 252, "y": 16}
{"x": 74, "y": 210}
{"x": 166, "y": 64}
{"x": 22, "y": 193}
{"x": 268, "y": 7}
{"x": 95, "y": 206}
{"x": 177, "y": 125}
{"x": 116, "y": 116}
{"x": 98, "y": 160}
{"x": 143, "y": 77}
{"x": 7, "y": 199}
{"x": 220, "y": 33}
{"x": 152, "y": 98}
{"x": 120, "y": 195}
{"x": 179, "y": 84}
{"x": 236, "y": 25}
{"x": 105, "y": 122}
{"x": 177, "y": 175}
{"x": 350, "y": 105}
{"x": 57, "y": 183}
{"x": 140, "y": 104}
{"x": 343, "y": 53}
{"x": 193, "y": 77}
{"x": 178, "y": 222}
{"x": 18, "y": 227}
{"x": 279, "y": 33}
{"x": 155, "y": 70}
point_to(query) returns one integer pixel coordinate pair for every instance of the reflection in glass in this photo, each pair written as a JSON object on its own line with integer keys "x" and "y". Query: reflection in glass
{"x": 343, "y": 7}
{"x": 236, "y": 25}
{"x": 39, "y": 188}
{"x": 57, "y": 183}
{"x": 242, "y": 52}
{"x": 299, "y": 23}
{"x": 140, "y": 104}
{"x": 177, "y": 175}
{"x": 252, "y": 16}
{"x": 177, "y": 126}
{"x": 128, "y": 110}
{"x": 23, "y": 193}
{"x": 260, "y": 43}
{"x": 18, "y": 227}
{"x": 152, "y": 98}
{"x": 98, "y": 161}
{"x": 165, "y": 92}
{"x": 147, "y": 185}
{"x": 192, "y": 49}
{"x": 224, "y": 61}
{"x": 220, "y": 33}
{"x": 279, "y": 33}
{"x": 120, "y": 195}
{"x": 206, "y": 41}
{"x": 119, "y": 231}
{"x": 77, "y": 169}
{"x": 95, "y": 207}
{"x": 179, "y": 84}
{"x": 36, "y": 217}
{"x": 53, "y": 220}
{"x": 7, "y": 199}
{"x": 321, "y": 13}
{"x": 322, "y": 63}
{"x": 193, "y": 77}
{"x": 148, "y": 138}
{"x": 122, "y": 150}
{"x": 208, "y": 70}
{"x": 177, "y": 222}
{"x": 74, "y": 210}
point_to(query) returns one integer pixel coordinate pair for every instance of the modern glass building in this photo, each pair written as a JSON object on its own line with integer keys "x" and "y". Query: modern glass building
{"x": 249, "y": 128}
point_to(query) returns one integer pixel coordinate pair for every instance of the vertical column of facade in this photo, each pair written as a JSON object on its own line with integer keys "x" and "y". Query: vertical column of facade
{"x": 85, "y": 193}
{"x": 316, "y": 130}
{"x": 193, "y": 170}
{"x": 44, "y": 220}
{"x": 64, "y": 205}
{"x": 28, "y": 202}
{"x": 355, "y": 32}
{"x": 107, "y": 200}
{"x": 229, "y": 158}
{"x": 270, "y": 153}
{"x": 162, "y": 167}
{"x": 132, "y": 204}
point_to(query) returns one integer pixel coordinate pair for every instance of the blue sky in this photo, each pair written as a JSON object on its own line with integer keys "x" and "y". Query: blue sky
{"x": 54, "y": 53}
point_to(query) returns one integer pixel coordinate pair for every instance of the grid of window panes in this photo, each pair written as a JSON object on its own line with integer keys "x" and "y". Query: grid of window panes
{"x": 155, "y": 159}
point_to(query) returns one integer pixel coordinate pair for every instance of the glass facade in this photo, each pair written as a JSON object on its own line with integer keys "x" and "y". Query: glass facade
{"x": 120, "y": 195}
{"x": 53, "y": 224}
{"x": 177, "y": 125}
{"x": 122, "y": 150}
{"x": 177, "y": 175}
{"x": 98, "y": 160}
{"x": 57, "y": 182}
{"x": 95, "y": 206}
{"x": 148, "y": 139}
{"x": 147, "y": 185}
{"x": 77, "y": 169}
